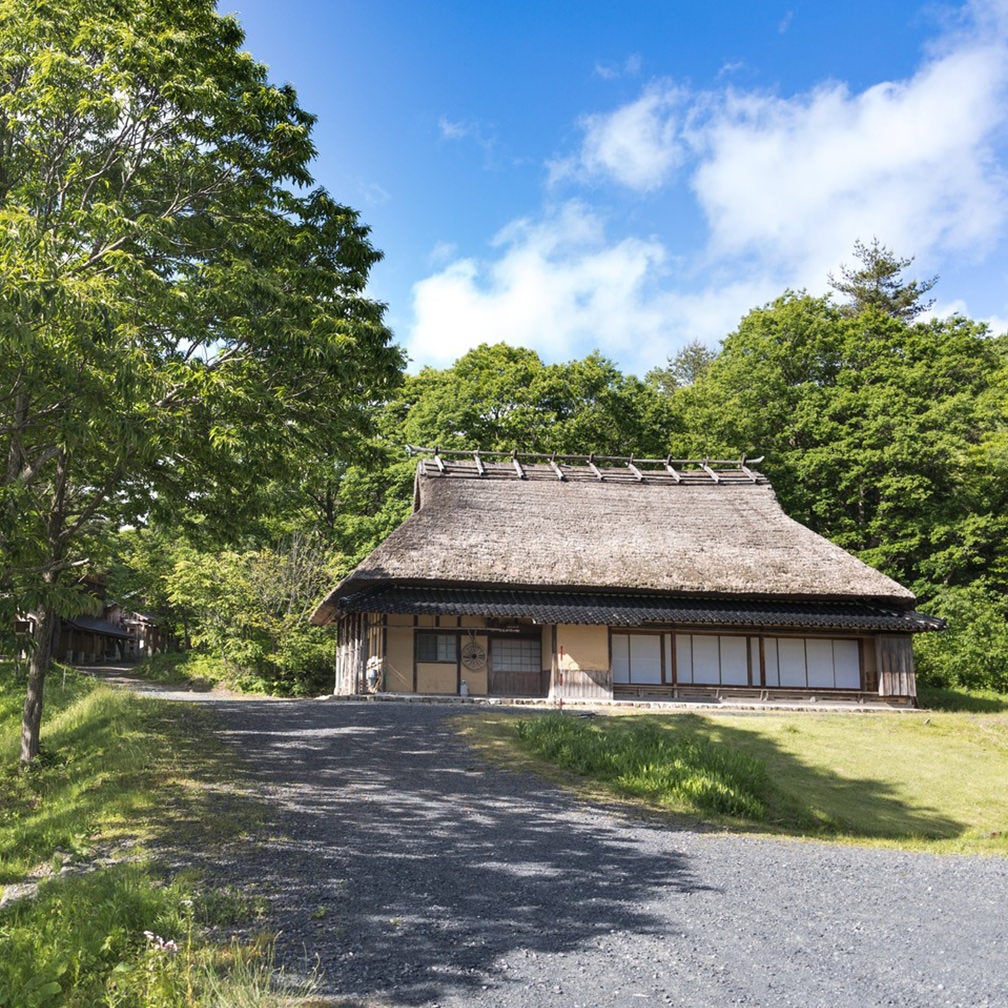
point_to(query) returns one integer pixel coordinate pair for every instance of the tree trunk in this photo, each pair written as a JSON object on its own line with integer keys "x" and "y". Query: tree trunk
{"x": 46, "y": 627}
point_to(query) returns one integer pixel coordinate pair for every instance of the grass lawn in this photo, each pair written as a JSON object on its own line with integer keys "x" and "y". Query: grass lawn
{"x": 927, "y": 780}
{"x": 99, "y": 921}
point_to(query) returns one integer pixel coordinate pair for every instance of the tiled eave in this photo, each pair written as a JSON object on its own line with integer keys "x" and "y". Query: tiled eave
{"x": 634, "y": 610}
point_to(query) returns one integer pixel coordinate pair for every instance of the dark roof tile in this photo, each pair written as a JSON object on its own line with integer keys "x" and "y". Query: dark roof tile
{"x": 621, "y": 610}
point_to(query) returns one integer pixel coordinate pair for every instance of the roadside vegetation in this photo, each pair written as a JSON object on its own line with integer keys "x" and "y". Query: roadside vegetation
{"x": 90, "y": 915}
{"x": 924, "y": 780}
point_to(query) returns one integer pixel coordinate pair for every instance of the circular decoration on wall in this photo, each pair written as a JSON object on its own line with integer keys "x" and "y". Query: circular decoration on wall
{"x": 473, "y": 655}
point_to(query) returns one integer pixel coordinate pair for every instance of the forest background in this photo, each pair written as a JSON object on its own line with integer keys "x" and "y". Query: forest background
{"x": 882, "y": 432}
{"x": 200, "y": 404}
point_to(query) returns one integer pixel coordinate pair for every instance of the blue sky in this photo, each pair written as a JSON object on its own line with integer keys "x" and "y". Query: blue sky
{"x": 627, "y": 178}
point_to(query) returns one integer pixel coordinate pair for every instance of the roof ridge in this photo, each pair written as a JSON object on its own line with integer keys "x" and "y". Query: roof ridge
{"x": 481, "y": 464}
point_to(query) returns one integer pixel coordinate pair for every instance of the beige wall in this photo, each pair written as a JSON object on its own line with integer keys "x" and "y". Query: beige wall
{"x": 436, "y": 677}
{"x": 584, "y": 647}
{"x": 431, "y": 677}
{"x": 582, "y": 663}
{"x": 399, "y": 658}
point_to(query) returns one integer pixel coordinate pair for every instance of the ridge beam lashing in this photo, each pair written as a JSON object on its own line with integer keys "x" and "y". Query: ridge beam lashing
{"x": 532, "y": 465}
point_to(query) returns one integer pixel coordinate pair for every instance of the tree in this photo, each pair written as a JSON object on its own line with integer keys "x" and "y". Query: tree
{"x": 684, "y": 369}
{"x": 501, "y": 398}
{"x": 879, "y": 284}
{"x": 877, "y": 433}
{"x": 495, "y": 398}
{"x": 249, "y": 608}
{"x": 182, "y": 315}
{"x": 972, "y": 652}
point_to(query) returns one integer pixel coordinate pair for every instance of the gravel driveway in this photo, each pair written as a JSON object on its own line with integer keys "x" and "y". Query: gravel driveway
{"x": 419, "y": 875}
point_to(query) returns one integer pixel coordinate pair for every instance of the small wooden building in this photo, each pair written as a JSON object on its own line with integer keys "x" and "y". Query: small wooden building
{"x": 592, "y": 579}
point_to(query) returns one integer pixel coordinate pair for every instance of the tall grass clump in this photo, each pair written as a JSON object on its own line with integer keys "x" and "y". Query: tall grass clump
{"x": 645, "y": 760}
{"x": 121, "y": 939}
{"x": 93, "y": 919}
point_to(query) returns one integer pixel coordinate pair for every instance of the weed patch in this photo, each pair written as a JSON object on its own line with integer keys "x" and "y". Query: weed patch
{"x": 651, "y": 762}
{"x": 97, "y": 922}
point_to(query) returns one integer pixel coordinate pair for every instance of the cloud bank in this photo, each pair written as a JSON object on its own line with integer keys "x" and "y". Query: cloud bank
{"x": 784, "y": 185}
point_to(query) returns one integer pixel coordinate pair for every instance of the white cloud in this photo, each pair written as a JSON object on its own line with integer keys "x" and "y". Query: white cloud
{"x": 562, "y": 288}
{"x": 637, "y": 144}
{"x": 785, "y": 186}
{"x": 796, "y": 180}
{"x": 556, "y": 284}
{"x": 452, "y": 130}
{"x": 630, "y": 67}
{"x": 441, "y": 253}
{"x": 800, "y": 179}
{"x": 996, "y": 324}
{"x": 372, "y": 194}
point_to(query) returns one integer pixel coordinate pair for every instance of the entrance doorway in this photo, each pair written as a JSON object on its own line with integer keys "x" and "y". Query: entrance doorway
{"x": 515, "y": 666}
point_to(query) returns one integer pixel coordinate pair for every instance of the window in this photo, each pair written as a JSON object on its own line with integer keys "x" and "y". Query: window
{"x": 519, "y": 654}
{"x": 636, "y": 658}
{"x": 717, "y": 661}
{"x": 436, "y": 647}
{"x": 734, "y": 660}
{"x": 812, "y": 662}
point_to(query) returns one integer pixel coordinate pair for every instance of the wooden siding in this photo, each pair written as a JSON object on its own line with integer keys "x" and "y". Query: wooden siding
{"x": 895, "y": 666}
{"x": 581, "y": 664}
{"x": 516, "y": 665}
{"x": 351, "y": 656}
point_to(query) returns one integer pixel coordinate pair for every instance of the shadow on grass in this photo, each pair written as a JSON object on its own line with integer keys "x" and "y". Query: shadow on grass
{"x": 806, "y": 799}
{"x": 801, "y": 799}
{"x": 122, "y": 769}
{"x": 955, "y": 700}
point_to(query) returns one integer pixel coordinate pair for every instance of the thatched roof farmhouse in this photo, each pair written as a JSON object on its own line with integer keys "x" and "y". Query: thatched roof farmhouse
{"x": 604, "y": 578}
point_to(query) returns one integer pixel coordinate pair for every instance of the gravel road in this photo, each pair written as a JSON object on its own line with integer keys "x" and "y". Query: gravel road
{"x": 419, "y": 875}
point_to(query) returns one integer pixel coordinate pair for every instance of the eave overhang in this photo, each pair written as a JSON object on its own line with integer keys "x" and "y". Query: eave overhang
{"x": 620, "y": 609}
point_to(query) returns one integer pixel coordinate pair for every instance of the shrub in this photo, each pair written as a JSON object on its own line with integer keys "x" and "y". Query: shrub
{"x": 648, "y": 761}
{"x": 972, "y": 651}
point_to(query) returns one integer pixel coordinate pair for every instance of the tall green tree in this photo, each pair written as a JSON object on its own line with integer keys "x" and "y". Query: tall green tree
{"x": 501, "y": 398}
{"x": 495, "y": 398}
{"x": 684, "y": 368}
{"x": 876, "y": 431}
{"x": 878, "y": 283}
{"x": 182, "y": 315}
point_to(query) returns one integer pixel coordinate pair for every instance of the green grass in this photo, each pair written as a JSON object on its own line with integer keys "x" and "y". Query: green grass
{"x": 118, "y": 778}
{"x": 961, "y": 699}
{"x": 196, "y": 671}
{"x": 930, "y": 780}
{"x": 645, "y": 760}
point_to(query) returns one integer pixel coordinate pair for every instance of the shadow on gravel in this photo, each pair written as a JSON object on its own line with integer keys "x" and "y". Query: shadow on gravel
{"x": 410, "y": 867}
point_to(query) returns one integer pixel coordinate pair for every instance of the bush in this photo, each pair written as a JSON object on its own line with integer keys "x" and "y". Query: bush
{"x": 647, "y": 761}
{"x": 972, "y": 651}
{"x": 302, "y": 665}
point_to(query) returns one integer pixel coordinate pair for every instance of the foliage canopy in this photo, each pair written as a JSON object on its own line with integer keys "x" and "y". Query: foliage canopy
{"x": 183, "y": 315}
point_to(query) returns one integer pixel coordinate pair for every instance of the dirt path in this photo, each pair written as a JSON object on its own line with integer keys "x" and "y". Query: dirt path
{"x": 419, "y": 875}
{"x": 125, "y": 675}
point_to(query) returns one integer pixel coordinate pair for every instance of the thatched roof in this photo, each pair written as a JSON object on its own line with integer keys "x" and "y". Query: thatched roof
{"x": 679, "y": 529}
